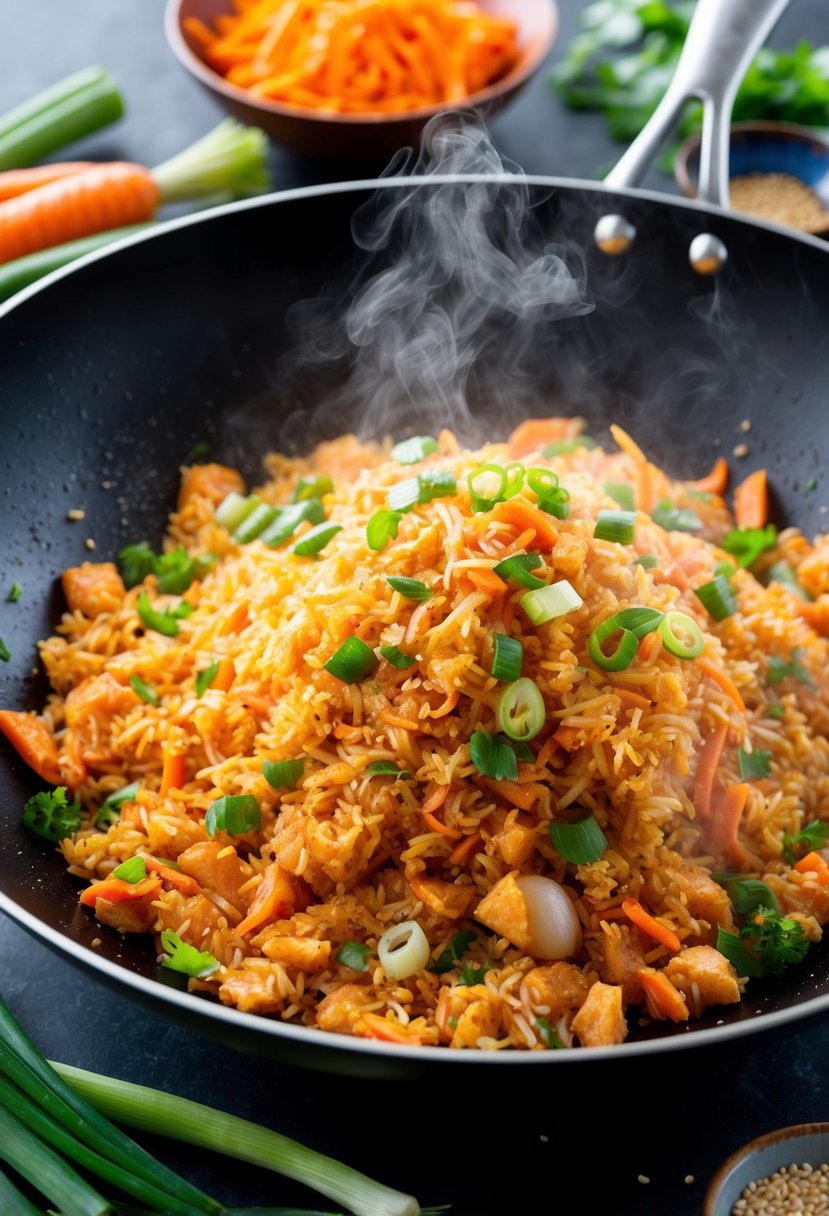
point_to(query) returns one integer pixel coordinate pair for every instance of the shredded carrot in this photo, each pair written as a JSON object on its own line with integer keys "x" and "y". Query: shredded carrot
{"x": 435, "y": 800}
{"x": 709, "y": 760}
{"x": 536, "y": 433}
{"x": 631, "y": 699}
{"x": 751, "y": 501}
{"x": 568, "y": 737}
{"x": 172, "y": 772}
{"x": 548, "y": 749}
{"x": 714, "y": 482}
{"x": 654, "y": 928}
{"x": 116, "y": 890}
{"x": 485, "y": 580}
{"x": 273, "y": 900}
{"x": 626, "y": 444}
{"x": 725, "y": 821}
{"x": 663, "y": 1000}
{"x": 715, "y": 673}
{"x": 31, "y": 740}
{"x": 523, "y": 796}
{"x": 435, "y": 825}
{"x": 521, "y": 515}
{"x": 507, "y": 614}
{"x": 373, "y": 1026}
{"x": 14, "y": 182}
{"x": 110, "y": 195}
{"x": 350, "y": 56}
{"x": 224, "y": 676}
{"x": 181, "y": 882}
{"x": 464, "y": 849}
{"x": 446, "y": 706}
{"x": 813, "y": 863}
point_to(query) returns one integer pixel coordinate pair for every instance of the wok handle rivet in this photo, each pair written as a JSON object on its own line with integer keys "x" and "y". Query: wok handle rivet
{"x": 707, "y": 254}
{"x": 614, "y": 234}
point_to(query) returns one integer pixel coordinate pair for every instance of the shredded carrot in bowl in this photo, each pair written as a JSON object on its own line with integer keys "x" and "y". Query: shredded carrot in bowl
{"x": 358, "y": 56}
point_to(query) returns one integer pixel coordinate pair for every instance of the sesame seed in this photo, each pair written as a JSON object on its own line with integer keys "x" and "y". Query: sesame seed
{"x": 89, "y": 542}
{"x": 76, "y": 513}
{"x": 689, "y": 1178}
{"x": 644, "y": 1179}
{"x": 544, "y": 1139}
{"x": 795, "y": 1188}
{"x": 745, "y": 425}
{"x": 741, "y": 449}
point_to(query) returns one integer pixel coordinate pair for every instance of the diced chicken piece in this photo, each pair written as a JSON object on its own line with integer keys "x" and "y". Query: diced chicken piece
{"x": 445, "y": 898}
{"x": 339, "y": 848}
{"x": 504, "y": 910}
{"x": 301, "y": 952}
{"x": 342, "y": 1008}
{"x": 90, "y": 709}
{"x": 252, "y": 989}
{"x": 514, "y": 843}
{"x": 211, "y": 481}
{"x": 569, "y": 554}
{"x": 128, "y": 915}
{"x": 623, "y": 959}
{"x": 194, "y": 919}
{"x": 601, "y": 1021}
{"x": 466, "y": 1013}
{"x": 705, "y": 899}
{"x": 216, "y": 869}
{"x": 93, "y": 588}
{"x": 704, "y": 977}
{"x": 169, "y": 835}
{"x": 555, "y": 989}
{"x": 800, "y": 893}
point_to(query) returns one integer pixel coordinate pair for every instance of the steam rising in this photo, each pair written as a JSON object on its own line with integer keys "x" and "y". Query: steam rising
{"x": 455, "y": 325}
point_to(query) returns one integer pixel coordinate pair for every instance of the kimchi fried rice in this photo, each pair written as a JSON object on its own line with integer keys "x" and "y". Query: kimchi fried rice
{"x": 356, "y": 767}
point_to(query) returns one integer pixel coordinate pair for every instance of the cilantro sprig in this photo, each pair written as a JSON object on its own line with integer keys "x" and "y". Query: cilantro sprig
{"x": 797, "y": 844}
{"x": 51, "y": 815}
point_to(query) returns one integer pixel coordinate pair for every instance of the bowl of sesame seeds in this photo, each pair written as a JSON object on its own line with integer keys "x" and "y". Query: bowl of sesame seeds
{"x": 777, "y": 1174}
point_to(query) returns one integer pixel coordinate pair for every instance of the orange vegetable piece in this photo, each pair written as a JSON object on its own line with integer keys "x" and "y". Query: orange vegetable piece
{"x": 172, "y": 772}
{"x": 181, "y": 882}
{"x": 523, "y": 515}
{"x": 751, "y": 501}
{"x": 720, "y": 678}
{"x": 654, "y": 928}
{"x": 709, "y": 760}
{"x": 663, "y": 1000}
{"x": 523, "y": 796}
{"x": 211, "y": 481}
{"x": 486, "y": 580}
{"x": 464, "y": 849}
{"x": 31, "y": 740}
{"x": 273, "y": 900}
{"x": 714, "y": 482}
{"x": 725, "y": 821}
{"x": 115, "y": 890}
{"x": 536, "y": 433}
{"x": 814, "y": 863}
{"x": 225, "y": 675}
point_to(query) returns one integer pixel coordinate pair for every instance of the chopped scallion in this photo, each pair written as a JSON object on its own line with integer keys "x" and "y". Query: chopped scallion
{"x": 520, "y": 712}
{"x": 205, "y": 678}
{"x": 255, "y": 522}
{"x": 616, "y": 526}
{"x": 547, "y": 603}
{"x": 781, "y": 572}
{"x": 517, "y": 570}
{"x": 397, "y": 658}
{"x": 289, "y": 519}
{"x": 411, "y": 451}
{"x": 564, "y": 447}
{"x": 312, "y": 487}
{"x": 143, "y": 690}
{"x": 133, "y": 870}
{"x": 352, "y": 661}
{"x": 314, "y": 541}
{"x": 404, "y": 495}
{"x": 233, "y": 509}
{"x": 409, "y": 588}
{"x": 354, "y": 955}
{"x": 647, "y": 561}
{"x": 235, "y": 814}
{"x": 110, "y": 809}
{"x": 681, "y": 635}
{"x": 675, "y": 519}
{"x": 382, "y": 527}
{"x": 621, "y": 493}
{"x": 632, "y": 624}
{"x": 508, "y": 658}
{"x": 579, "y": 840}
{"x": 165, "y": 622}
{"x": 283, "y": 774}
{"x": 180, "y": 956}
{"x": 487, "y": 485}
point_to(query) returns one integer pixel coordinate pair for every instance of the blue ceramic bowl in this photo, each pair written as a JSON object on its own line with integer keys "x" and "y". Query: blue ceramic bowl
{"x": 765, "y": 147}
{"x": 800, "y": 1144}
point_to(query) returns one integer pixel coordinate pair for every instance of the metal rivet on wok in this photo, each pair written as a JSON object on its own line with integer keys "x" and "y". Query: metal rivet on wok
{"x": 707, "y": 254}
{"x": 614, "y": 234}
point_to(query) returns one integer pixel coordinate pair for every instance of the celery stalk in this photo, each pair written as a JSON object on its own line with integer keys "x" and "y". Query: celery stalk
{"x": 61, "y": 114}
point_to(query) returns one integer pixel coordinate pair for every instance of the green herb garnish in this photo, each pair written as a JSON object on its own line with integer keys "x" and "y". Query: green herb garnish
{"x": 778, "y": 669}
{"x": 448, "y": 959}
{"x": 811, "y": 838}
{"x": 143, "y": 690}
{"x": 205, "y": 678}
{"x": 354, "y": 955}
{"x": 385, "y": 768}
{"x": 493, "y": 756}
{"x": 179, "y": 956}
{"x": 15, "y": 592}
{"x": 753, "y": 764}
{"x": 110, "y": 809}
{"x": 50, "y": 814}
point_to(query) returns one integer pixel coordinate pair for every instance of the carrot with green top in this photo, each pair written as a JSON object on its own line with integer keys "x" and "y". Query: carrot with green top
{"x": 15, "y": 182}
{"x": 654, "y": 928}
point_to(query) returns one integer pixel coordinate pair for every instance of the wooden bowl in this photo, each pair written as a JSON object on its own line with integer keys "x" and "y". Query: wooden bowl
{"x": 355, "y": 136}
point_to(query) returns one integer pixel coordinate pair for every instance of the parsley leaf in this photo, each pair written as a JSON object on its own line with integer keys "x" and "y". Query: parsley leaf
{"x": 779, "y": 669}
{"x": 746, "y": 544}
{"x": 453, "y": 953}
{"x": 51, "y": 816}
{"x": 753, "y": 764}
{"x": 472, "y": 973}
{"x": 798, "y": 844}
{"x": 174, "y": 571}
{"x": 776, "y": 941}
{"x": 547, "y": 1035}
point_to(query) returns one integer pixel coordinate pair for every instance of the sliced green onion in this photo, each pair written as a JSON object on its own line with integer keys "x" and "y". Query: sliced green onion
{"x": 675, "y": 519}
{"x": 405, "y": 495}
{"x": 621, "y": 493}
{"x": 382, "y": 526}
{"x": 143, "y": 690}
{"x": 647, "y": 561}
{"x": 385, "y": 768}
{"x": 551, "y": 497}
{"x": 182, "y": 957}
{"x": 563, "y": 447}
{"x": 517, "y": 570}
{"x": 617, "y": 526}
{"x": 579, "y": 839}
{"x": 725, "y": 570}
{"x": 632, "y": 624}
{"x": 206, "y": 677}
{"x": 312, "y": 487}
{"x": 235, "y": 814}
{"x": 352, "y": 661}
{"x": 133, "y": 870}
{"x": 781, "y": 572}
{"x": 234, "y": 508}
{"x": 508, "y": 658}
{"x": 520, "y": 712}
{"x": 283, "y": 774}
{"x": 681, "y": 635}
{"x": 542, "y": 481}
{"x": 717, "y": 598}
{"x": 111, "y": 807}
{"x": 547, "y": 603}
{"x": 746, "y": 544}
{"x": 255, "y": 523}
{"x": 354, "y": 955}
{"x": 403, "y": 950}
{"x": 484, "y": 493}
{"x": 516, "y": 476}
{"x": 411, "y": 451}
{"x": 493, "y": 757}
{"x": 448, "y": 959}
{"x": 59, "y": 115}
{"x": 753, "y": 764}
{"x": 314, "y": 542}
{"x": 15, "y": 592}
{"x": 165, "y": 622}
{"x": 409, "y": 588}
{"x": 548, "y": 1036}
{"x": 5, "y": 653}
{"x": 397, "y": 658}
{"x": 289, "y": 519}
{"x": 436, "y": 483}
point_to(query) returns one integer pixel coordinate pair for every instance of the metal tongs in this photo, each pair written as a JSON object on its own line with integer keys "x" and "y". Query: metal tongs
{"x": 723, "y": 38}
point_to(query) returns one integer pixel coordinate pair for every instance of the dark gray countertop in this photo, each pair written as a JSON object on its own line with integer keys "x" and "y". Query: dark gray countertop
{"x": 574, "y": 1144}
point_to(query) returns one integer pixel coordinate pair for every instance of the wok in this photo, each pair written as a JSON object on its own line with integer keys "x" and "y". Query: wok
{"x": 113, "y": 371}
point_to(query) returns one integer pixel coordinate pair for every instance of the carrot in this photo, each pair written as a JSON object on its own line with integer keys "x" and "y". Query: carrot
{"x": 523, "y": 796}
{"x": 654, "y": 928}
{"x": 714, "y": 482}
{"x": 725, "y": 821}
{"x": 709, "y": 760}
{"x": 751, "y": 501}
{"x": 273, "y": 900}
{"x": 568, "y": 737}
{"x": 181, "y": 882}
{"x": 536, "y": 433}
{"x": 31, "y": 740}
{"x": 446, "y": 706}
{"x": 663, "y": 1000}
{"x": 815, "y": 614}
{"x": 522, "y": 514}
{"x": 463, "y": 850}
{"x": 373, "y": 1026}
{"x": 631, "y": 699}
{"x": 715, "y": 673}
{"x": 116, "y": 890}
{"x": 225, "y": 675}
{"x": 813, "y": 863}
{"x": 172, "y": 771}
{"x": 435, "y": 825}
{"x": 486, "y": 580}
{"x": 20, "y": 181}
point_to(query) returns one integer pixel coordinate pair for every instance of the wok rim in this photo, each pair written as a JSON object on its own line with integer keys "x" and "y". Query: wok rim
{"x": 252, "y": 1026}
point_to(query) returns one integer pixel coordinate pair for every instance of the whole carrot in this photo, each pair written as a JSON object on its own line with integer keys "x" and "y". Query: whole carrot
{"x": 20, "y": 181}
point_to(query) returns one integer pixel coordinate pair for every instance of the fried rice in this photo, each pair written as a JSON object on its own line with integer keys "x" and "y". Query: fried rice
{"x": 699, "y": 773}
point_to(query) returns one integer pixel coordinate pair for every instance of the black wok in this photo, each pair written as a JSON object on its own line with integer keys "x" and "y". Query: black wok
{"x": 113, "y": 372}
